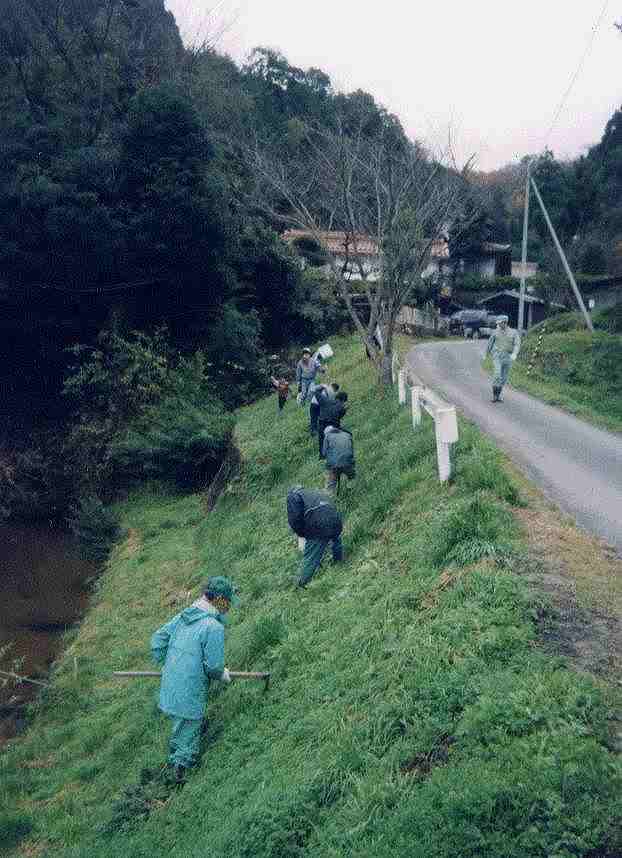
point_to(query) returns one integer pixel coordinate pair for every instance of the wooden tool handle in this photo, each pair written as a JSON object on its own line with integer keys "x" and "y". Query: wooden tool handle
{"x": 234, "y": 674}
{"x": 240, "y": 674}
{"x": 128, "y": 673}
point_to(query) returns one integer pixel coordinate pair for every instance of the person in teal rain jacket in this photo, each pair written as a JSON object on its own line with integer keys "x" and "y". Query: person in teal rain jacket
{"x": 191, "y": 648}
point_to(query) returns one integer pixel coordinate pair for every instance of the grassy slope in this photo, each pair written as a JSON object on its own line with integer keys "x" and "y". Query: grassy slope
{"x": 412, "y": 712}
{"x": 575, "y": 370}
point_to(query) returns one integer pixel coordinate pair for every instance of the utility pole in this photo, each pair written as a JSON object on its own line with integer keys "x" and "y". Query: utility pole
{"x": 521, "y": 303}
{"x": 562, "y": 255}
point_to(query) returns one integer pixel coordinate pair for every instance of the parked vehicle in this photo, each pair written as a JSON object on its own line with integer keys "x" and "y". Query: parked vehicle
{"x": 467, "y": 322}
{"x": 472, "y": 323}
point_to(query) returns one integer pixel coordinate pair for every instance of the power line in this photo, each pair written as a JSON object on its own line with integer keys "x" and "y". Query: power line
{"x": 578, "y": 71}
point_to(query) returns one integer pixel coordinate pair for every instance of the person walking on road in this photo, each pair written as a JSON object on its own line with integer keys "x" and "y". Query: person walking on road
{"x": 339, "y": 453}
{"x": 191, "y": 648}
{"x": 313, "y": 517}
{"x": 503, "y": 345}
{"x": 306, "y": 373}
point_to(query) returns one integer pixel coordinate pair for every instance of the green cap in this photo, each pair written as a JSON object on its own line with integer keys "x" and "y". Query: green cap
{"x": 218, "y": 585}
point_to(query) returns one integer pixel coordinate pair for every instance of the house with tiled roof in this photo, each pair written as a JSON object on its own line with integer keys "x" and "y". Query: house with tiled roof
{"x": 359, "y": 254}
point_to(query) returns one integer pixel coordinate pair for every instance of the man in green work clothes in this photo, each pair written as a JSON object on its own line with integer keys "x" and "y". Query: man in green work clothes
{"x": 503, "y": 345}
{"x": 191, "y": 647}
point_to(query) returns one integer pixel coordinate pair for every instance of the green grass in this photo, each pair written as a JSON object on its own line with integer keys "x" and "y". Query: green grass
{"x": 575, "y": 370}
{"x": 411, "y": 711}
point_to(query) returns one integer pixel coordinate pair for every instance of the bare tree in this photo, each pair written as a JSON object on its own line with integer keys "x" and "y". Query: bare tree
{"x": 383, "y": 192}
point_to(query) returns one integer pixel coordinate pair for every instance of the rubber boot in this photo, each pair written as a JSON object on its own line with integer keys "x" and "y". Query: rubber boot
{"x": 496, "y": 394}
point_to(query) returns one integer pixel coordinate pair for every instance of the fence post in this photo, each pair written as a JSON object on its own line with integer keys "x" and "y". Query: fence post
{"x": 402, "y": 386}
{"x": 443, "y": 458}
{"x": 394, "y": 368}
{"x": 415, "y": 401}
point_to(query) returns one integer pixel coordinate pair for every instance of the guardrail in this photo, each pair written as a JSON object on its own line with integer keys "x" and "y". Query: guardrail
{"x": 443, "y": 414}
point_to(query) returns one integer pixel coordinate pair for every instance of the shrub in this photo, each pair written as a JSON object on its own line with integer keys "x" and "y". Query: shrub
{"x": 176, "y": 441}
{"x": 34, "y": 483}
{"x": 120, "y": 376}
{"x": 143, "y": 412}
{"x": 95, "y": 527}
{"x": 318, "y": 314}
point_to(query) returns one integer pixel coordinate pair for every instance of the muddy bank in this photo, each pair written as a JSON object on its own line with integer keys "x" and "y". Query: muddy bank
{"x": 43, "y": 591}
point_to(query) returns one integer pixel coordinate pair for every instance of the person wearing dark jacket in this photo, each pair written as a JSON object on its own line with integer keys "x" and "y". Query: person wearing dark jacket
{"x": 339, "y": 454}
{"x": 314, "y": 407}
{"x": 312, "y": 516}
{"x": 331, "y": 414}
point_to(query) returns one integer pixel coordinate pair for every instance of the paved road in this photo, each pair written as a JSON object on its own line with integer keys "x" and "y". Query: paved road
{"x": 577, "y": 466}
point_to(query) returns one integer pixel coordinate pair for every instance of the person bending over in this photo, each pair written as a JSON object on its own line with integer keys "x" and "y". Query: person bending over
{"x": 313, "y": 516}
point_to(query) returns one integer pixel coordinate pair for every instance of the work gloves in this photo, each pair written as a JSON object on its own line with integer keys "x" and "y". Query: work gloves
{"x": 226, "y": 676}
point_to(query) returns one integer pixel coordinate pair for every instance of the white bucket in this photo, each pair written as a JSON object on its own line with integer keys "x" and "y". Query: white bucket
{"x": 325, "y": 352}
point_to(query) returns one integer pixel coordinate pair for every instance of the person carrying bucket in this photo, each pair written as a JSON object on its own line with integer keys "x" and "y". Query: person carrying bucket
{"x": 306, "y": 373}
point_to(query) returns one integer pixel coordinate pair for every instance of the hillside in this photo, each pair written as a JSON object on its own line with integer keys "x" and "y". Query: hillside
{"x": 413, "y": 711}
{"x": 563, "y": 364}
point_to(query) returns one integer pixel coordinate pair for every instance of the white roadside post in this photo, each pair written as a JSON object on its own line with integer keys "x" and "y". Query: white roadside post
{"x": 416, "y": 395}
{"x": 444, "y": 416}
{"x": 402, "y": 386}
{"x": 446, "y": 426}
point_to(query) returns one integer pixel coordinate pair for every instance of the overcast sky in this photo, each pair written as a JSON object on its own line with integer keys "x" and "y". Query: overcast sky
{"x": 494, "y": 71}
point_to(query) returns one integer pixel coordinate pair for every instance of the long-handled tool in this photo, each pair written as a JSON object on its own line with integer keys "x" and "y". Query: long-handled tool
{"x": 234, "y": 674}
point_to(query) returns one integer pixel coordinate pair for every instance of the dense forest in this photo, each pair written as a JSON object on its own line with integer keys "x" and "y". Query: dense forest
{"x": 126, "y": 205}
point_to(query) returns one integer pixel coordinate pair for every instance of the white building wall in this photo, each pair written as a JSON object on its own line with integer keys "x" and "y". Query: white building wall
{"x": 486, "y": 268}
{"x": 531, "y": 269}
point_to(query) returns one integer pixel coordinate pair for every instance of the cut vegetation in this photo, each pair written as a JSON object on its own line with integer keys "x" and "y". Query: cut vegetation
{"x": 412, "y": 711}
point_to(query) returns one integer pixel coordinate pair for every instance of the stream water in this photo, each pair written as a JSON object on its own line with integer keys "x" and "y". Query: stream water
{"x": 43, "y": 591}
